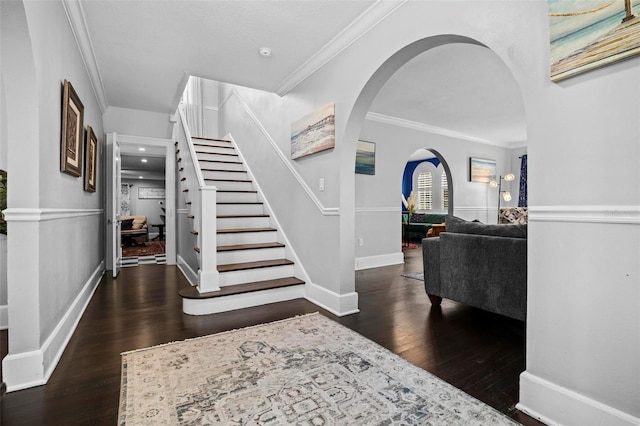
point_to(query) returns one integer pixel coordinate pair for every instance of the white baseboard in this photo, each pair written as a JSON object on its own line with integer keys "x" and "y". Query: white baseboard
{"x": 337, "y": 304}
{"x": 186, "y": 270}
{"x": 241, "y": 301}
{"x": 556, "y": 405}
{"x": 34, "y": 368}
{"x": 379, "y": 261}
{"x": 4, "y": 317}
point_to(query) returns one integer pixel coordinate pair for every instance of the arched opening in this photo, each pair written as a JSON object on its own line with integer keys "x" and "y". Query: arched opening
{"x": 458, "y": 143}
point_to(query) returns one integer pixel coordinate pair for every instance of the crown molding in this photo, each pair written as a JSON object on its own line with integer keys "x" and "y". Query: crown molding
{"x": 78, "y": 23}
{"x": 356, "y": 29}
{"x": 586, "y": 214}
{"x": 428, "y": 128}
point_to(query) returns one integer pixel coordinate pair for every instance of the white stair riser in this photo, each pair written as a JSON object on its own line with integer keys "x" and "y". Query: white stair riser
{"x": 244, "y": 256}
{"x": 240, "y": 301}
{"x": 239, "y": 209}
{"x": 252, "y": 275}
{"x": 237, "y": 197}
{"x": 222, "y": 165}
{"x": 207, "y": 174}
{"x": 203, "y": 150}
{"x": 243, "y": 222}
{"x": 231, "y": 186}
{"x": 246, "y": 238}
{"x": 215, "y": 157}
{"x": 203, "y": 146}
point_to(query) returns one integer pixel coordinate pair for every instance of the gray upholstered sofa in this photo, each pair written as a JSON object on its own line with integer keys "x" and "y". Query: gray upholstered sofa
{"x": 484, "y": 266}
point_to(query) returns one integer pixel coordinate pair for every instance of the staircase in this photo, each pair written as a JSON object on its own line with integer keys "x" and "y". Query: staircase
{"x": 252, "y": 263}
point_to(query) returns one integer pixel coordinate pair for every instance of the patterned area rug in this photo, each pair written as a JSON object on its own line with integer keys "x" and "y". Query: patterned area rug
{"x": 149, "y": 248}
{"x": 415, "y": 275}
{"x": 305, "y": 370}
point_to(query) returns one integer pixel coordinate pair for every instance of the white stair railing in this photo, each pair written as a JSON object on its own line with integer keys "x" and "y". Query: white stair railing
{"x": 202, "y": 207}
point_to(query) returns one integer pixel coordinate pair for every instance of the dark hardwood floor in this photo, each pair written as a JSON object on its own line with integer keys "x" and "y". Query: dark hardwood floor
{"x": 478, "y": 352}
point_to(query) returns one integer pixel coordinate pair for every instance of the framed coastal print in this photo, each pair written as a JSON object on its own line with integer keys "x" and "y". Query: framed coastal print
{"x": 90, "y": 161}
{"x": 72, "y": 131}
{"x": 314, "y": 132}
{"x": 366, "y": 158}
{"x": 482, "y": 170}
{"x": 588, "y": 34}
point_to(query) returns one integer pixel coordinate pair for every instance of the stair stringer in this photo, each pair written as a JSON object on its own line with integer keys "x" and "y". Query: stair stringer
{"x": 290, "y": 253}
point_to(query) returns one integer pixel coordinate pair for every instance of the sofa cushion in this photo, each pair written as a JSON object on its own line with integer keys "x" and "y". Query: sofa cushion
{"x": 139, "y": 222}
{"x": 126, "y": 224}
{"x": 434, "y": 218}
{"x": 461, "y": 226}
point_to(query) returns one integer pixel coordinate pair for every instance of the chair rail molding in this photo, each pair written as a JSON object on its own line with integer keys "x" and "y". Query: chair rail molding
{"x": 326, "y": 211}
{"x": 586, "y": 214}
{"x": 40, "y": 215}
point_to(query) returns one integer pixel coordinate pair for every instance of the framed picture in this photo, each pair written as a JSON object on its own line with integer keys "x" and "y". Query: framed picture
{"x": 314, "y": 132}
{"x": 589, "y": 34}
{"x": 366, "y": 158}
{"x": 72, "y": 131}
{"x": 482, "y": 170}
{"x": 151, "y": 193}
{"x": 90, "y": 161}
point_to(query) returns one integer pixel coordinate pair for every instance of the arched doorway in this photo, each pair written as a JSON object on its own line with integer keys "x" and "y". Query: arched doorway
{"x": 359, "y": 120}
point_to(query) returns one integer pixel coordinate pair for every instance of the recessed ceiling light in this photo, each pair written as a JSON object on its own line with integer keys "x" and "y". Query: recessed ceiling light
{"x": 140, "y": 177}
{"x": 265, "y": 51}
{"x": 144, "y": 160}
{"x": 142, "y": 149}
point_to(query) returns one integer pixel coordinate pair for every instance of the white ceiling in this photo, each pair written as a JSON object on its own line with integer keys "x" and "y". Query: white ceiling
{"x": 144, "y": 51}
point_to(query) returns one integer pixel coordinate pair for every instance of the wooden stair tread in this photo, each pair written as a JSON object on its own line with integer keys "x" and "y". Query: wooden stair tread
{"x": 238, "y": 247}
{"x": 231, "y": 267}
{"x": 230, "y": 191}
{"x": 215, "y": 153}
{"x": 222, "y": 162}
{"x": 223, "y": 170}
{"x": 227, "y": 180}
{"x": 239, "y": 216}
{"x": 214, "y": 146}
{"x": 244, "y": 203}
{"x": 209, "y": 139}
{"x": 192, "y": 292}
{"x": 239, "y": 230}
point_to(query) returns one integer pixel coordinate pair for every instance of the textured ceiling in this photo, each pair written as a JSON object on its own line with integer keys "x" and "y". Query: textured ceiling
{"x": 146, "y": 49}
{"x": 460, "y": 87}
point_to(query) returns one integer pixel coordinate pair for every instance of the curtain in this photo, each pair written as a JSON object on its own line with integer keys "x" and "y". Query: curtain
{"x": 522, "y": 197}
{"x": 193, "y": 105}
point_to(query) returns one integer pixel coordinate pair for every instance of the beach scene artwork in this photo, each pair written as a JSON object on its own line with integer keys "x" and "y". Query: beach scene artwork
{"x": 587, "y": 34}
{"x": 366, "y": 158}
{"x": 314, "y": 132}
{"x": 482, "y": 170}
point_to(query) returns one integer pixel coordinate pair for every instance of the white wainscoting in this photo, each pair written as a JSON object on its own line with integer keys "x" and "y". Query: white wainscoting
{"x": 76, "y": 278}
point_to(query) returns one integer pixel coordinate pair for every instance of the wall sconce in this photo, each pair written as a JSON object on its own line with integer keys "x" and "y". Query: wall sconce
{"x": 506, "y": 195}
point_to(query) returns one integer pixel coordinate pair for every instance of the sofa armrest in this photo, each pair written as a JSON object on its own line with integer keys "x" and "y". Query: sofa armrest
{"x": 485, "y": 271}
{"x": 431, "y": 264}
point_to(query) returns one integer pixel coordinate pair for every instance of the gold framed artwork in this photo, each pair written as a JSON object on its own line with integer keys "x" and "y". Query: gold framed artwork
{"x": 587, "y": 34}
{"x": 72, "y": 131}
{"x": 90, "y": 161}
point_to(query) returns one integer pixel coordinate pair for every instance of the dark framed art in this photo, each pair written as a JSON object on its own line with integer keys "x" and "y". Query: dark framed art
{"x": 72, "y": 131}
{"x": 481, "y": 170}
{"x": 90, "y": 161}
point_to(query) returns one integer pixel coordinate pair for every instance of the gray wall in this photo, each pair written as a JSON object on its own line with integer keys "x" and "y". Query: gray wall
{"x": 126, "y": 121}
{"x": 56, "y": 257}
{"x": 574, "y": 228}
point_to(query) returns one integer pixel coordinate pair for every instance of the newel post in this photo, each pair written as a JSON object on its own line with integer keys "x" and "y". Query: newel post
{"x": 208, "y": 277}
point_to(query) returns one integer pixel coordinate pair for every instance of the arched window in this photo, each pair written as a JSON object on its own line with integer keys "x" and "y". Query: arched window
{"x": 444, "y": 186}
{"x": 425, "y": 191}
